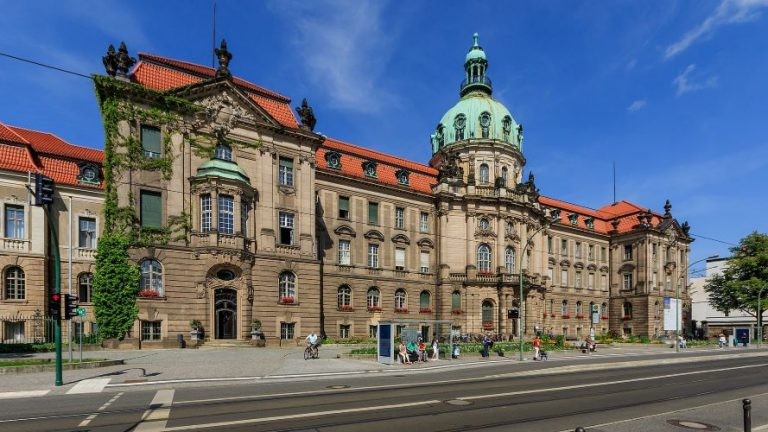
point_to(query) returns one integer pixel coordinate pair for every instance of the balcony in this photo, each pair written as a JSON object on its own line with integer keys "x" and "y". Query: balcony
{"x": 224, "y": 241}
{"x": 15, "y": 244}
{"x": 475, "y": 82}
{"x": 85, "y": 253}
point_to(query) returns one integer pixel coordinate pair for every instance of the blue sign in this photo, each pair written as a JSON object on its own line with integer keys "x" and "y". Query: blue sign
{"x": 386, "y": 348}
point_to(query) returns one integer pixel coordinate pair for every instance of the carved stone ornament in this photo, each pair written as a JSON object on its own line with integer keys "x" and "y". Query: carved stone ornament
{"x": 667, "y": 209}
{"x": 450, "y": 168}
{"x": 224, "y": 56}
{"x": 201, "y": 291}
{"x": 110, "y": 61}
{"x": 124, "y": 61}
{"x": 306, "y": 115}
{"x": 222, "y": 112}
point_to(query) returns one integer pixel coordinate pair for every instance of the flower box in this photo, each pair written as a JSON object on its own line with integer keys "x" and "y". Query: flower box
{"x": 580, "y": 316}
{"x": 401, "y": 310}
{"x": 425, "y": 310}
{"x": 346, "y": 308}
{"x": 565, "y": 317}
{"x": 374, "y": 308}
{"x": 149, "y": 293}
{"x": 626, "y": 318}
{"x": 287, "y": 300}
{"x": 457, "y": 312}
{"x": 552, "y": 315}
{"x": 488, "y": 324}
{"x": 605, "y": 317}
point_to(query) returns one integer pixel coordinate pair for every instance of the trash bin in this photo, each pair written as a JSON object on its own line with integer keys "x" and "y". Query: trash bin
{"x": 180, "y": 339}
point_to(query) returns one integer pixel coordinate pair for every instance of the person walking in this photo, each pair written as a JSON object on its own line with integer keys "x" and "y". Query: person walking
{"x": 721, "y": 341}
{"x": 435, "y": 349}
{"x": 536, "y": 347}
{"x": 486, "y": 346}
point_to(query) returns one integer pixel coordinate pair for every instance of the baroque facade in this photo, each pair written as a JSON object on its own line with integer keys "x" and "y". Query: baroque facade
{"x": 302, "y": 232}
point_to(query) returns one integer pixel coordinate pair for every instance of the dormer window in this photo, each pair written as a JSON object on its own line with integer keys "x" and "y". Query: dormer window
{"x": 506, "y": 128}
{"x": 369, "y": 169}
{"x": 333, "y": 160}
{"x": 573, "y": 218}
{"x": 89, "y": 174}
{"x": 459, "y": 124}
{"x": 504, "y": 176}
{"x": 485, "y": 123}
{"x": 440, "y": 136}
{"x": 402, "y": 177}
{"x": 590, "y": 222}
{"x": 485, "y": 224}
{"x": 223, "y": 152}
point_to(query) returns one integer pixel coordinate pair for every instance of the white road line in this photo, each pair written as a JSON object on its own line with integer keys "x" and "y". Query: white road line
{"x": 298, "y": 416}
{"x": 23, "y": 394}
{"x": 100, "y": 409}
{"x": 95, "y": 385}
{"x": 156, "y": 417}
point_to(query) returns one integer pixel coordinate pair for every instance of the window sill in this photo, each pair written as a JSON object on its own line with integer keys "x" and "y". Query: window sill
{"x": 152, "y": 298}
{"x": 289, "y": 304}
{"x": 17, "y": 301}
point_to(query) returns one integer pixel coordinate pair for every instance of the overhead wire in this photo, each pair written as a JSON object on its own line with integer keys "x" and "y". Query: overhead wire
{"x": 56, "y": 68}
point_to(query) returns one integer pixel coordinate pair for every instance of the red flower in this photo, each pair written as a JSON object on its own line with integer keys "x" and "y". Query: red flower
{"x": 425, "y": 310}
{"x": 488, "y": 324}
{"x": 580, "y": 316}
{"x": 457, "y": 312}
{"x": 566, "y": 316}
{"x": 374, "y": 308}
{"x": 401, "y": 310}
{"x": 149, "y": 293}
{"x": 604, "y": 317}
{"x": 346, "y": 308}
{"x": 287, "y": 300}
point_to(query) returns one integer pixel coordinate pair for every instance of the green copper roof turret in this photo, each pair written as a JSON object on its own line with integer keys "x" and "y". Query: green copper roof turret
{"x": 222, "y": 169}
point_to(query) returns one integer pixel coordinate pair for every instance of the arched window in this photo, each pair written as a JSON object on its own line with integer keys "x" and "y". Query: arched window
{"x": 456, "y": 301}
{"x": 656, "y": 310}
{"x": 504, "y": 175}
{"x": 484, "y": 258}
{"x": 509, "y": 259}
{"x": 85, "y": 287}
{"x": 604, "y": 310}
{"x": 485, "y": 124}
{"x": 425, "y": 302}
{"x": 344, "y": 296}
{"x": 459, "y": 123}
{"x": 223, "y": 152}
{"x": 374, "y": 298}
{"x": 484, "y": 174}
{"x": 484, "y": 224}
{"x": 15, "y": 286}
{"x": 627, "y": 310}
{"x": 287, "y": 287}
{"x": 487, "y": 313}
{"x": 401, "y": 300}
{"x": 579, "y": 309}
{"x": 151, "y": 279}
{"x": 564, "y": 308}
{"x": 506, "y": 128}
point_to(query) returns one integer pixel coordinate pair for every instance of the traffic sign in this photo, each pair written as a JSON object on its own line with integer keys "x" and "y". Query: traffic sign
{"x": 81, "y": 311}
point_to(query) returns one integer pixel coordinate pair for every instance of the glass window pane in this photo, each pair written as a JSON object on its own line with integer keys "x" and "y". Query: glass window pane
{"x": 151, "y": 209}
{"x": 150, "y": 141}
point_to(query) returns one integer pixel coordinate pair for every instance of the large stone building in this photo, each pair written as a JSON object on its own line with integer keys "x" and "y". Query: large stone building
{"x": 244, "y": 213}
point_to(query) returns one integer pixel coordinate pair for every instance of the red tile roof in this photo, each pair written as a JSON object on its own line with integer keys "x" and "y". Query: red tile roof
{"x": 624, "y": 212}
{"x": 161, "y": 73}
{"x": 48, "y": 143}
{"x": 420, "y": 179}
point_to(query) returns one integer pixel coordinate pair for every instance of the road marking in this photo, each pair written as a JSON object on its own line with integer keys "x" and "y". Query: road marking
{"x": 95, "y": 385}
{"x": 23, "y": 394}
{"x": 100, "y": 409}
{"x": 298, "y": 416}
{"x": 156, "y": 417}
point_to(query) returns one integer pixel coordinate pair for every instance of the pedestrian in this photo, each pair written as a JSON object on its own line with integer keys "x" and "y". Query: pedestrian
{"x": 486, "y": 346}
{"x": 721, "y": 341}
{"x": 536, "y": 347}
{"x": 435, "y": 349}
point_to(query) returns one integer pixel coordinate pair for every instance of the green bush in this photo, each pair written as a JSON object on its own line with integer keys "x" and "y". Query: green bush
{"x": 645, "y": 339}
{"x": 366, "y": 350}
{"x": 27, "y": 347}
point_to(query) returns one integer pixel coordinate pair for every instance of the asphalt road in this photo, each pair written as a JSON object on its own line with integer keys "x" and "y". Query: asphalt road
{"x": 493, "y": 397}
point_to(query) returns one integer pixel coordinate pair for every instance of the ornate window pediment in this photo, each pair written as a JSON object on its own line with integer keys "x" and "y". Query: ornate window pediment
{"x": 333, "y": 159}
{"x": 590, "y": 222}
{"x": 627, "y": 267}
{"x": 374, "y": 235}
{"x": 592, "y": 267}
{"x": 401, "y": 238}
{"x": 345, "y": 230}
{"x": 551, "y": 261}
{"x": 369, "y": 169}
{"x": 89, "y": 174}
{"x": 565, "y": 263}
{"x": 604, "y": 269}
{"x": 573, "y": 218}
{"x": 402, "y": 177}
{"x": 425, "y": 243}
{"x": 578, "y": 265}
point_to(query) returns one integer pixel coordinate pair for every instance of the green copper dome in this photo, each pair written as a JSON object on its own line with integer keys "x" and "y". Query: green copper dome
{"x": 477, "y": 115}
{"x": 223, "y": 169}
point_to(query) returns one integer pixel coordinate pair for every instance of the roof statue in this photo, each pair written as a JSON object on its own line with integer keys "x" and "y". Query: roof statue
{"x": 306, "y": 115}
{"x": 110, "y": 61}
{"x": 450, "y": 169}
{"x": 224, "y": 57}
{"x": 124, "y": 61}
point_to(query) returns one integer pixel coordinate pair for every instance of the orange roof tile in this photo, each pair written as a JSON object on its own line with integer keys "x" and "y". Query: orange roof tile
{"x": 44, "y": 142}
{"x": 624, "y": 212}
{"x": 63, "y": 171}
{"x": 7, "y": 134}
{"x": 16, "y": 158}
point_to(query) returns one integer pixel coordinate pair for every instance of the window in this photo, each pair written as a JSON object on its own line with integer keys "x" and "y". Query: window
{"x": 654, "y": 251}
{"x": 150, "y": 330}
{"x": 424, "y": 222}
{"x": 564, "y": 277}
{"x": 373, "y": 213}
{"x": 509, "y": 260}
{"x": 602, "y": 253}
{"x": 627, "y": 310}
{"x": 425, "y": 302}
{"x": 287, "y": 330}
{"x": 150, "y": 141}
{"x": 373, "y": 256}
{"x": 344, "y": 297}
{"x": 15, "y": 286}
{"x": 344, "y": 331}
{"x": 399, "y": 259}
{"x": 591, "y": 281}
{"x": 484, "y": 174}
{"x": 373, "y": 331}
{"x": 509, "y": 228}
{"x": 87, "y": 235}
{"x": 550, "y": 247}
{"x": 563, "y": 247}
{"x": 401, "y": 299}
{"x": 151, "y": 278}
{"x": 14, "y": 221}
{"x": 287, "y": 287}
{"x": 591, "y": 252}
{"x": 424, "y": 262}
{"x": 399, "y": 217}
{"x": 487, "y": 313}
{"x": 245, "y": 211}
{"x": 344, "y": 253}
{"x": 485, "y": 123}
{"x": 504, "y": 174}
{"x": 226, "y": 214}
{"x": 564, "y": 308}
{"x": 85, "y": 287}
{"x": 333, "y": 159}
{"x": 484, "y": 224}
{"x": 484, "y": 258}
{"x": 656, "y": 310}
{"x": 285, "y": 172}
{"x": 369, "y": 169}
{"x": 668, "y": 283}
{"x": 343, "y": 207}
{"x": 286, "y": 228}
{"x": 402, "y": 177}
{"x": 374, "y": 298}
{"x": 223, "y": 152}
{"x": 551, "y": 275}
{"x": 603, "y": 282}
{"x": 577, "y": 282}
{"x": 14, "y": 331}
{"x": 578, "y": 250}
{"x": 206, "y": 213}
{"x": 627, "y": 252}
{"x": 654, "y": 280}
{"x": 579, "y": 309}
{"x": 151, "y": 209}
{"x": 627, "y": 281}
{"x": 506, "y": 128}
{"x": 458, "y": 124}
{"x": 456, "y": 301}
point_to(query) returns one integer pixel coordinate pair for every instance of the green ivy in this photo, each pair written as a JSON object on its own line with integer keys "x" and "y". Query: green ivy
{"x": 115, "y": 285}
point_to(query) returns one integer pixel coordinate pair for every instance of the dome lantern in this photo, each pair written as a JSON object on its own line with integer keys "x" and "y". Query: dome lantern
{"x": 476, "y": 66}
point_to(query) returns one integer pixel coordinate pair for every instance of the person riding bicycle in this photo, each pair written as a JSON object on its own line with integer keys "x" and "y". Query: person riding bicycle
{"x": 312, "y": 340}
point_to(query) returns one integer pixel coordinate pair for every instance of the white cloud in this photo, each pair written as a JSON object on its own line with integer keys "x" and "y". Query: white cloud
{"x": 728, "y": 12}
{"x": 344, "y": 48}
{"x": 685, "y": 83}
{"x": 637, "y": 105}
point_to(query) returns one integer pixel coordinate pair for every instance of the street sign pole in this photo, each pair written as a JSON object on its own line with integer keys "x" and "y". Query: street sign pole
{"x": 54, "y": 244}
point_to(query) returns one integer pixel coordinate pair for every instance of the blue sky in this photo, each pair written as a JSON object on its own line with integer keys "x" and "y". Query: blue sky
{"x": 673, "y": 92}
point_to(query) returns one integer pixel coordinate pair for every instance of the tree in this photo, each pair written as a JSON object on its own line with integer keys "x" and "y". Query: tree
{"x": 115, "y": 285}
{"x": 747, "y": 272}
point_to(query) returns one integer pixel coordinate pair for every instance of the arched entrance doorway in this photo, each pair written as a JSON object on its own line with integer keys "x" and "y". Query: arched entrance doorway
{"x": 225, "y": 309}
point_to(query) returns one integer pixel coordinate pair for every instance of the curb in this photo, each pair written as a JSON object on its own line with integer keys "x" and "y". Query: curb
{"x": 12, "y": 370}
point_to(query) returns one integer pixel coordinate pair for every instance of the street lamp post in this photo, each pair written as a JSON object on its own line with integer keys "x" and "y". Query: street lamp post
{"x": 677, "y": 300}
{"x": 554, "y": 217}
{"x": 759, "y": 316}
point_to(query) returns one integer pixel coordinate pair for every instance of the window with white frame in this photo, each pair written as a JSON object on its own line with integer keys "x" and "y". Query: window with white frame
{"x": 152, "y": 277}
{"x": 373, "y": 255}
{"x": 14, "y": 221}
{"x": 287, "y": 330}
{"x": 591, "y": 252}
{"x": 564, "y": 308}
{"x": 577, "y": 250}
{"x": 579, "y": 309}
{"x": 627, "y": 281}
{"x": 344, "y": 297}
{"x": 206, "y": 213}
{"x": 85, "y": 287}
{"x": 424, "y": 262}
{"x": 603, "y": 253}
{"x": 603, "y": 282}
{"x": 550, "y": 248}
{"x": 285, "y": 171}
{"x": 286, "y": 228}
{"x": 87, "y": 234}
{"x": 344, "y": 252}
{"x": 627, "y": 252}
{"x": 425, "y": 301}
{"x": 374, "y": 298}
{"x": 591, "y": 281}
{"x": 509, "y": 259}
{"x": 399, "y": 217}
{"x": 424, "y": 222}
{"x": 150, "y": 141}
{"x": 484, "y": 174}
{"x": 627, "y": 310}
{"x": 577, "y": 281}
{"x": 343, "y": 207}
{"x": 15, "y": 284}
{"x": 484, "y": 224}
{"x": 226, "y": 214}
{"x": 551, "y": 275}
{"x": 399, "y": 259}
{"x": 484, "y": 258}
{"x": 564, "y": 277}
{"x": 401, "y": 299}
{"x": 286, "y": 286}
{"x": 563, "y": 247}
{"x": 344, "y": 330}
{"x": 456, "y": 301}
{"x": 223, "y": 152}
{"x": 654, "y": 280}
{"x": 150, "y": 330}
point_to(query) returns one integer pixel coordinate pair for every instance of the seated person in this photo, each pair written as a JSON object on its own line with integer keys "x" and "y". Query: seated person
{"x": 413, "y": 351}
{"x": 403, "y": 353}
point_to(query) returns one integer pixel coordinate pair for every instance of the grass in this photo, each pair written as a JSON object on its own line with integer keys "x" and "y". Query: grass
{"x": 37, "y": 362}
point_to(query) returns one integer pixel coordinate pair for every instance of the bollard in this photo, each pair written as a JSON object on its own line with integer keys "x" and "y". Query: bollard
{"x": 580, "y": 429}
{"x": 747, "y": 405}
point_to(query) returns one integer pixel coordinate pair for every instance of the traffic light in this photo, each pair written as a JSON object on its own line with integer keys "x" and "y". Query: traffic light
{"x": 54, "y": 306}
{"x": 70, "y": 306}
{"x": 43, "y": 189}
{"x": 513, "y": 313}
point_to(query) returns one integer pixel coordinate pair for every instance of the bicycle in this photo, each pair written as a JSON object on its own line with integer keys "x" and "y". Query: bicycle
{"x": 311, "y": 352}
